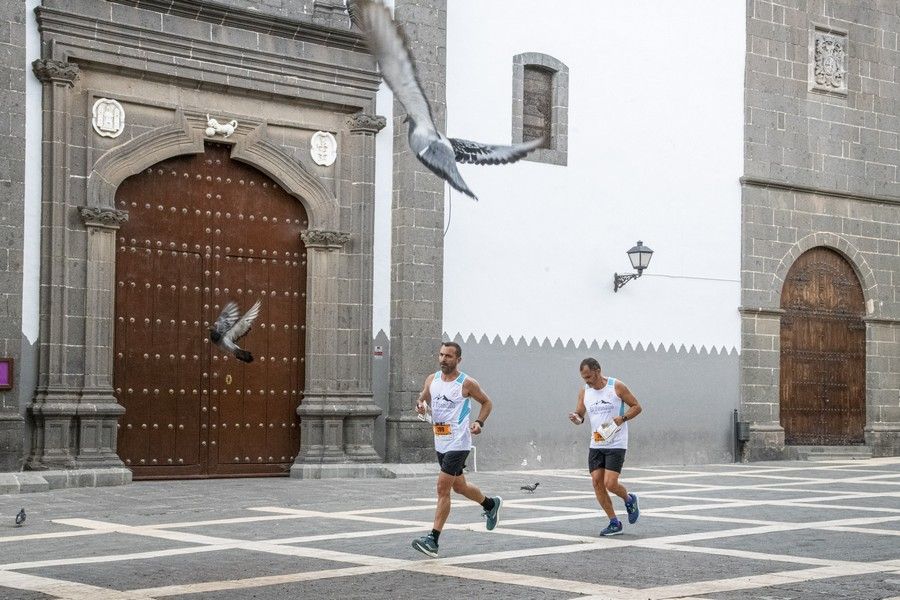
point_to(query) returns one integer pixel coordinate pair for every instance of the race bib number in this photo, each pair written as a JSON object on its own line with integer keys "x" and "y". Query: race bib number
{"x": 441, "y": 428}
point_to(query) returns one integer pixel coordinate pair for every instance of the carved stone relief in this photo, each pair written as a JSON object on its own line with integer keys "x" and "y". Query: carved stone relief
{"x": 109, "y": 218}
{"x": 109, "y": 118}
{"x": 323, "y": 148}
{"x": 213, "y": 127}
{"x": 328, "y": 240}
{"x": 828, "y": 61}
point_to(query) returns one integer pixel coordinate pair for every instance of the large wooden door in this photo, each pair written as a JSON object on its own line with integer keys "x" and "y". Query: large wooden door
{"x": 204, "y": 230}
{"x": 823, "y": 352}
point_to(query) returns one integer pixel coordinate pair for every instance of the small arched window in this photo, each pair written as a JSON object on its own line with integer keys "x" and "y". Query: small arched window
{"x": 541, "y": 106}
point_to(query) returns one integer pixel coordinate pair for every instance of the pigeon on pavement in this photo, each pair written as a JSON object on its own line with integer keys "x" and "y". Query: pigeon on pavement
{"x": 530, "y": 488}
{"x": 230, "y": 327}
{"x": 20, "y": 518}
{"x": 434, "y": 149}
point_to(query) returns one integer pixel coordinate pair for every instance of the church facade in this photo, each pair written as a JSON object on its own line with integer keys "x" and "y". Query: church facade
{"x": 165, "y": 157}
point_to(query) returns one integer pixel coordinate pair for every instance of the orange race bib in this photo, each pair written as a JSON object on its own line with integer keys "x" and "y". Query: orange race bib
{"x": 441, "y": 428}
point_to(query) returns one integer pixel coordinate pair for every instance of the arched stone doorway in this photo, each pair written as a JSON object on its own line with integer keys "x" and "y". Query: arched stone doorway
{"x": 205, "y": 229}
{"x": 823, "y": 352}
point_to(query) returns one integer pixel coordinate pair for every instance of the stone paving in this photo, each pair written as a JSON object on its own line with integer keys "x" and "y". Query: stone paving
{"x": 773, "y": 531}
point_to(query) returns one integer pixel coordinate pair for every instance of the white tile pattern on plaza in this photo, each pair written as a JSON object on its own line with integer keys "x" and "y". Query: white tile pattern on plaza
{"x": 774, "y": 530}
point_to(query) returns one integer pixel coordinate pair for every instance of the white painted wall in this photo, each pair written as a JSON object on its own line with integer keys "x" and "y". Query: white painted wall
{"x": 31, "y": 255}
{"x": 655, "y": 153}
{"x": 384, "y": 186}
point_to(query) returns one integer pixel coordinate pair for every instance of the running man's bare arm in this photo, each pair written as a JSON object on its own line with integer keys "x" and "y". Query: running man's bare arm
{"x": 422, "y": 401}
{"x": 634, "y": 407}
{"x": 577, "y": 417}
{"x": 471, "y": 389}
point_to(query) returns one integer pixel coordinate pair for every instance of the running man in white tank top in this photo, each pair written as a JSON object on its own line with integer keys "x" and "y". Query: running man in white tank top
{"x": 447, "y": 397}
{"x": 610, "y": 406}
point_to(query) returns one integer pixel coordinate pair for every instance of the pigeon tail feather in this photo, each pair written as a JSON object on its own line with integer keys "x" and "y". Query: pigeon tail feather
{"x": 440, "y": 160}
{"x": 243, "y": 355}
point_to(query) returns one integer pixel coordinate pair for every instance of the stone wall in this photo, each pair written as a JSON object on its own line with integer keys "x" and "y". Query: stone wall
{"x": 12, "y": 220}
{"x": 822, "y": 168}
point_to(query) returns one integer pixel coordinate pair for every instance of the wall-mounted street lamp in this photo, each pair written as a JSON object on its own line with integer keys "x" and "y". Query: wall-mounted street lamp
{"x": 640, "y": 258}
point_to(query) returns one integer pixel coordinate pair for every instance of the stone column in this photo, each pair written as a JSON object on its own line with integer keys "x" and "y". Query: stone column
{"x": 359, "y": 170}
{"x": 417, "y": 254}
{"x": 98, "y": 411}
{"x": 56, "y": 398}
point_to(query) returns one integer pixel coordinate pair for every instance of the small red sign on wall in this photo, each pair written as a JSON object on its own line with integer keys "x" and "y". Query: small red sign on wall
{"x": 6, "y": 373}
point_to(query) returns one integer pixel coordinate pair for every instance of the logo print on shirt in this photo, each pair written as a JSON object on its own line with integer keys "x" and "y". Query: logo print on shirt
{"x": 443, "y": 398}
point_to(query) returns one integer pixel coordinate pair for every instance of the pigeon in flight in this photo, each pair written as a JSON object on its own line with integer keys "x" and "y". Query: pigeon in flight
{"x": 530, "y": 488}
{"x": 20, "y": 518}
{"x": 230, "y": 327}
{"x": 435, "y": 150}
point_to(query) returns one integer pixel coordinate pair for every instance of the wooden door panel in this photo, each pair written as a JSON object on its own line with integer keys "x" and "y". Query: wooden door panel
{"x": 822, "y": 352}
{"x": 204, "y": 230}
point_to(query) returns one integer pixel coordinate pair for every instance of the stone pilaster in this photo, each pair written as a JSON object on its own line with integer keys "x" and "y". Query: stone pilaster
{"x": 56, "y": 398}
{"x": 98, "y": 410}
{"x": 321, "y": 427}
{"x": 417, "y": 253}
{"x": 359, "y": 169}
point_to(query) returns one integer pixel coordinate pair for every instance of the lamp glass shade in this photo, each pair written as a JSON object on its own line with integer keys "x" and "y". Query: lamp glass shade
{"x": 640, "y": 256}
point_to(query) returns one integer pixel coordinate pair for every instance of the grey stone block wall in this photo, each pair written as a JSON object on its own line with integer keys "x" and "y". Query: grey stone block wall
{"x": 822, "y": 168}
{"x": 417, "y": 253}
{"x": 844, "y": 141}
{"x": 12, "y": 219}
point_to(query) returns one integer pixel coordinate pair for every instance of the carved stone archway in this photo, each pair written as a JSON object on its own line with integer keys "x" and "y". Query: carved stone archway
{"x": 76, "y": 417}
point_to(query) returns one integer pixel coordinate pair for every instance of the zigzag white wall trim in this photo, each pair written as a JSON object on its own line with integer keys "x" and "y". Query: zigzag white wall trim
{"x": 594, "y": 345}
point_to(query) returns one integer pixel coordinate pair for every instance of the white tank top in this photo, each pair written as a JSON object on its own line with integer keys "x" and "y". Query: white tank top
{"x": 602, "y": 405}
{"x": 450, "y": 412}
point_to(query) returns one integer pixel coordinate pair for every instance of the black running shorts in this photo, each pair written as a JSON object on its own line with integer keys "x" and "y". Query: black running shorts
{"x": 453, "y": 462}
{"x": 612, "y": 459}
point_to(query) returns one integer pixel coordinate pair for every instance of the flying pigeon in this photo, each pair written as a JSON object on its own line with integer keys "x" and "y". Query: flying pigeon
{"x": 20, "y": 518}
{"x": 435, "y": 150}
{"x": 530, "y": 488}
{"x": 230, "y": 327}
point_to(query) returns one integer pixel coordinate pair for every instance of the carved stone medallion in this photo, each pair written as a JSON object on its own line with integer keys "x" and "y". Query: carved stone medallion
{"x": 323, "y": 148}
{"x": 109, "y": 118}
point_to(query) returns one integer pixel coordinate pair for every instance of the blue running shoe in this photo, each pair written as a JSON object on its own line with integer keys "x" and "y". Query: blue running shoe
{"x": 632, "y": 507}
{"x": 492, "y": 517}
{"x": 426, "y": 545}
{"x": 614, "y": 528}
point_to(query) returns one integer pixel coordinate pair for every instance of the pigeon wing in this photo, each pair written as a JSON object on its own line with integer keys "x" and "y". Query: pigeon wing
{"x": 241, "y": 328}
{"x": 227, "y": 318}
{"x": 388, "y": 46}
{"x": 477, "y": 153}
{"x": 439, "y": 157}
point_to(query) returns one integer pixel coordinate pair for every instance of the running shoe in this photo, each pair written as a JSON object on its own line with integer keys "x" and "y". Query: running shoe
{"x": 614, "y": 528}
{"x": 492, "y": 517}
{"x": 631, "y": 506}
{"x": 426, "y": 545}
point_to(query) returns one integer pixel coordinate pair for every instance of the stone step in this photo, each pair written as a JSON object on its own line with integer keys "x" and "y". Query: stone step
{"x": 819, "y": 453}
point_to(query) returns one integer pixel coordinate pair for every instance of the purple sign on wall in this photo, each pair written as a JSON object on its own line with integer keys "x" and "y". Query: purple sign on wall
{"x": 6, "y": 373}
